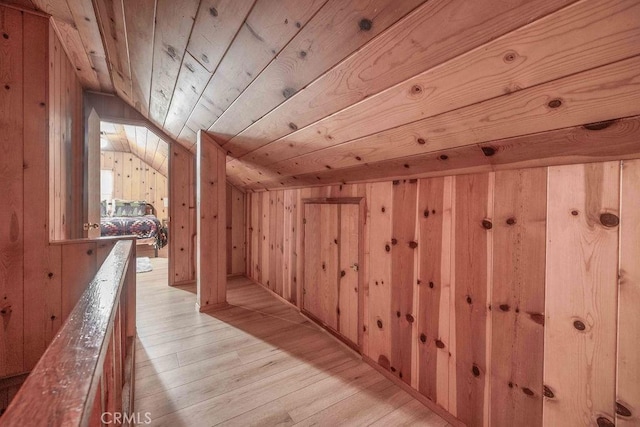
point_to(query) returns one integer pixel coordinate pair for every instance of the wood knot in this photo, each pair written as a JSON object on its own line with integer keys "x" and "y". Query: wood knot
{"x": 416, "y": 89}
{"x": 50, "y": 275}
{"x": 387, "y": 248}
{"x": 439, "y": 344}
{"x": 475, "y": 371}
{"x": 213, "y": 12}
{"x": 510, "y": 56}
{"x": 555, "y": 103}
{"x": 303, "y": 54}
{"x": 365, "y": 24}
{"x": 421, "y": 141}
{"x": 443, "y": 157}
{"x": 358, "y": 158}
{"x": 426, "y": 213}
{"x": 398, "y": 314}
{"x": 423, "y": 338}
{"x": 413, "y": 244}
{"x": 53, "y": 317}
{"x": 486, "y": 224}
{"x": 574, "y": 212}
{"x": 527, "y": 391}
{"x": 537, "y": 317}
{"x": 547, "y": 392}
{"x": 488, "y": 151}
{"x": 622, "y": 410}
{"x": 379, "y": 323}
{"x": 383, "y": 210}
{"x": 579, "y": 325}
{"x": 6, "y": 310}
{"x": 599, "y": 125}
{"x": 5, "y": 36}
{"x": 409, "y": 318}
{"x": 293, "y": 126}
{"x": 343, "y": 273}
{"x": 396, "y": 182}
{"x": 511, "y": 221}
{"x": 604, "y": 422}
{"x": 288, "y": 92}
{"x": 609, "y": 220}
{"x": 394, "y": 241}
{"x": 431, "y": 285}
{"x": 90, "y": 252}
{"x": 469, "y": 300}
{"x": 504, "y": 307}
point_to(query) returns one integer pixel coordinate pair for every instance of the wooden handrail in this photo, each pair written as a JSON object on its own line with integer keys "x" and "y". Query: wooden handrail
{"x": 62, "y": 388}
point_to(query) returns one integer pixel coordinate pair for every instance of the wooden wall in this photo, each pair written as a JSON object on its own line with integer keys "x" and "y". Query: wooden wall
{"x": 509, "y": 310}
{"x": 39, "y": 122}
{"x": 236, "y": 227}
{"x": 136, "y": 180}
{"x": 66, "y": 145}
{"x": 182, "y": 214}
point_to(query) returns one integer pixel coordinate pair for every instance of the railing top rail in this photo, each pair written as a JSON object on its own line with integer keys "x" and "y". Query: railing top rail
{"x": 61, "y": 388}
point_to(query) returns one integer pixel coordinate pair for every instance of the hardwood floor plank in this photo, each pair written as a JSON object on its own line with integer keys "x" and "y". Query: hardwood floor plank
{"x": 256, "y": 362}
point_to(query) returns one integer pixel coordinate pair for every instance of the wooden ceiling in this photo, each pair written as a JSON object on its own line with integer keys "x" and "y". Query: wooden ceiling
{"x": 304, "y": 92}
{"x": 137, "y": 140}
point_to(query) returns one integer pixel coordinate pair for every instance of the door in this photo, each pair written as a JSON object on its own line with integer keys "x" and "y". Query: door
{"x": 92, "y": 192}
{"x": 331, "y": 264}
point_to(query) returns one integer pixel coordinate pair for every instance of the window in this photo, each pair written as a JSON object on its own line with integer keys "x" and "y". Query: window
{"x": 106, "y": 185}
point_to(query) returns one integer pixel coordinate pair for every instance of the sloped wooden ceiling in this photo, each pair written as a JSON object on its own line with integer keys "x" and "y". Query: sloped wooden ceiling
{"x": 305, "y": 92}
{"x": 138, "y": 140}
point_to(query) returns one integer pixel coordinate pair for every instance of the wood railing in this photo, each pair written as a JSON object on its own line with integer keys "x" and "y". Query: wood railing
{"x": 85, "y": 377}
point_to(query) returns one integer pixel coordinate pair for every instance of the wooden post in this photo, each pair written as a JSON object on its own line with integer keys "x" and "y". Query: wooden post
{"x": 211, "y": 246}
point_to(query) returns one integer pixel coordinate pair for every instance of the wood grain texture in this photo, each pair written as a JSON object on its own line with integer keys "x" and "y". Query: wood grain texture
{"x": 585, "y": 31}
{"x": 581, "y": 294}
{"x": 267, "y": 29}
{"x": 181, "y": 264}
{"x": 332, "y": 35}
{"x": 378, "y": 324}
{"x": 77, "y": 355}
{"x": 11, "y": 174}
{"x": 424, "y": 39}
{"x": 404, "y": 246}
{"x": 140, "y": 24}
{"x": 433, "y": 287}
{"x": 628, "y": 364}
{"x": 211, "y": 224}
{"x": 517, "y": 297}
{"x": 350, "y": 264}
{"x": 36, "y": 227}
{"x": 472, "y": 208}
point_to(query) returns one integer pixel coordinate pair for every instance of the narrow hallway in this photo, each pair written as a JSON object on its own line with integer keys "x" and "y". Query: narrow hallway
{"x": 257, "y": 362}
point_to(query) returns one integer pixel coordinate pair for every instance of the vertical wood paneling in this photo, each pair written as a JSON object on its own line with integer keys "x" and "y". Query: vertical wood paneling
{"x": 238, "y": 227}
{"x": 36, "y": 227}
{"x": 348, "y": 282}
{"x": 328, "y": 260}
{"x": 180, "y": 215}
{"x": 211, "y": 223}
{"x": 11, "y": 176}
{"x": 79, "y": 265}
{"x": 312, "y": 267}
{"x": 581, "y": 293}
{"x": 470, "y": 297}
{"x": 379, "y": 321}
{"x": 519, "y": 230}
{"x": 403, "y": 253}
{"x": 279, "y": 241}
{"x": 628, "y": 361}
{"x": 433, "y": 287}
{"x": 266, "y": 241}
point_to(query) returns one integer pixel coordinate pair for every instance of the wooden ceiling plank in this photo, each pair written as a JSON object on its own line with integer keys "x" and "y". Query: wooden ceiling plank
{"x": 174, "y": 21}
{"x": 432, "y": 34}
{"x": 85, "y": 21}
{"x": 584, "y": 35}
{"x": 140, "y": 23}
{"x": 151, "y": 147}
{"x": 579, "y": 144}
{"x": 216, "y": 25}
{"x": 336, "y": 31}
{"x": 141, "y": 141}
{"x": 110, "y": 16}
{"x": 599, "y": 94}
{"x": 191, "y": 82}
{"x": 266, "y": 31}
{"x": 58, "y": 9}
{"x": 130, "y": 136}
{"x": 72, "y": 43}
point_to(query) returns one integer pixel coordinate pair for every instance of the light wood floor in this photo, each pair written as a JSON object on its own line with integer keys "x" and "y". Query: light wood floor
{"x": 258, "y": 362}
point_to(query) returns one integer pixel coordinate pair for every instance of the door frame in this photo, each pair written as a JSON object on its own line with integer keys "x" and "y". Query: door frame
{"x": 361, "y": 202}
